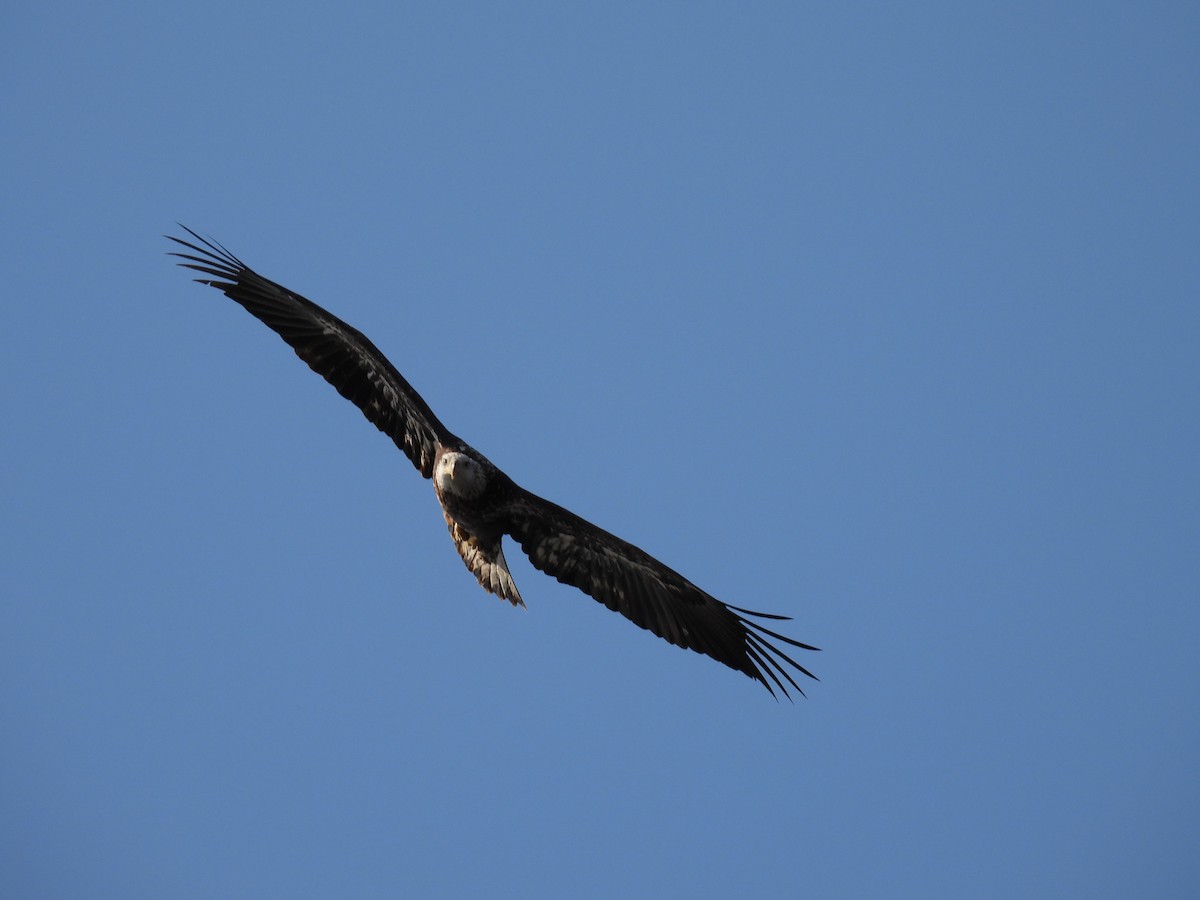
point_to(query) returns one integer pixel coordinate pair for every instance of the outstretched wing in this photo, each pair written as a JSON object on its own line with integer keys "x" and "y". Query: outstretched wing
{"x": 635, "y": 584}
{"x": 340, "y": 354}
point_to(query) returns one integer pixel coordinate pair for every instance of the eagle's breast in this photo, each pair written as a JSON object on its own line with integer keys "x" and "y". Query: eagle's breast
{"x": 471, "y": 491}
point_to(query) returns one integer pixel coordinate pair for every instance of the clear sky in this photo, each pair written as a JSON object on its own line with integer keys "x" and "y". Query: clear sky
{"x": 882, "y": 316}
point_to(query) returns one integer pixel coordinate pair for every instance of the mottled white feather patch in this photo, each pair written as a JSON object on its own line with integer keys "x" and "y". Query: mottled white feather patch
{"x": 486, "y": 562}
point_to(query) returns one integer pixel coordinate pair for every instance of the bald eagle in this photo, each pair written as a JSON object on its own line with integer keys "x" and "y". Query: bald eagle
{"x": 481, "y": 504}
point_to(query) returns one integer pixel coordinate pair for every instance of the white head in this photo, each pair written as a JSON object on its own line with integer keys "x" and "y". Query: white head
{"x": 458, "y": 474}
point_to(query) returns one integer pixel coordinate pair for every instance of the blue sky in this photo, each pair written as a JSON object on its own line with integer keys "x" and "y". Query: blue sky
{"x": 882, "y": 317}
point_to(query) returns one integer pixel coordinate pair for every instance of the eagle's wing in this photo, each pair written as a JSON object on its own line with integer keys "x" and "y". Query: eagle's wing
{"x": 340, "y": 354}
{"x": 630, "y": 581}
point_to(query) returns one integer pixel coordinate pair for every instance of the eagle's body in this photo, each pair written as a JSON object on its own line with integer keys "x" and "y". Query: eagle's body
{"x": 481, "y": 504}
{"x": 476, "y": 500}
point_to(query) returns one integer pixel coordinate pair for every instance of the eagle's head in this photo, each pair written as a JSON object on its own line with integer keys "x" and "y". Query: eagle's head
{"x": 458, "y": 474}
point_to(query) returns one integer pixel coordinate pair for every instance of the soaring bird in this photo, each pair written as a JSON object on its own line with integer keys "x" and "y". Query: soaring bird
{"x": 481, "y": 504}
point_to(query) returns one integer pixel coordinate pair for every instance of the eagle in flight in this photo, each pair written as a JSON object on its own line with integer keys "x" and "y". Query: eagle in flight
{"x": 481, "y": 504}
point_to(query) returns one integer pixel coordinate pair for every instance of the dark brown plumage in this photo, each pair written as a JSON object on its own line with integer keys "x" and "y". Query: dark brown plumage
{"x": 481, "y": 504}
